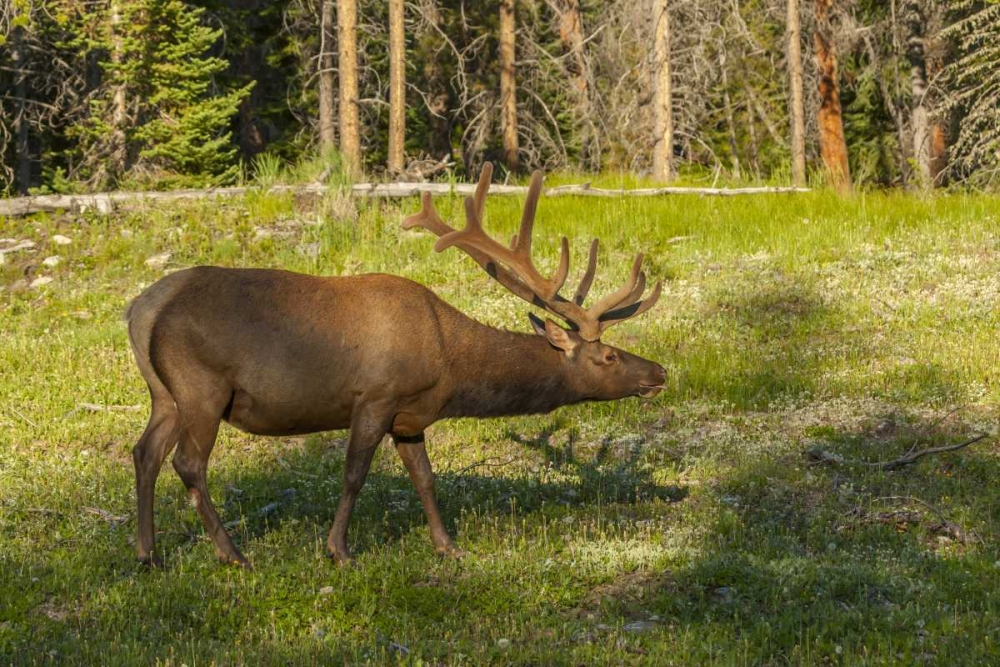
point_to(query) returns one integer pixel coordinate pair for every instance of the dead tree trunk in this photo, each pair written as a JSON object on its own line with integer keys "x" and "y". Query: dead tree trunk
{"x": 327, "y": 95}
{"x": 397, "y": 86}
{"x": 252, "y": 139}
{"x": 916, "y": 26}
{"x": 437, "y": 98}
{"x": 118, "y": 160}
{"x": 663, "y": 120}
{"x": 832, "y": 144}
{"x": 727, "y": 107}
{"x": 508, "y": 93}
{"x": 22, "y": 173}
{"x": 578, "y": 73}
{"x": 797, "y": 111}
{"x": 347, "y": 48}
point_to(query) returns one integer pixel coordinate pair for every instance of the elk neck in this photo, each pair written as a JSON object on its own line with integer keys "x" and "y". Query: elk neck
{"x": 498, "y": 373}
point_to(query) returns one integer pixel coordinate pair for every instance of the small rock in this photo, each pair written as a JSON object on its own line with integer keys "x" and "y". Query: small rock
{"x": 261, "y": 233}
{"x": 59, "y": 239}
{"x": 23, "y": 245}
{"x": 52, "y": 261}
{"x": 503, "y": 644}
{"x": 126, "y": 233}
{"x": 40, "y": 281}
{"x": 159, "y": 261}
{"x": 641, "y": 626}
{"x": 81, "y": 314}
{"x": 309, "y": 249}
{"x": 396, "y": 647}
{"x": 326, "y": 590}
{"x": 723, "y": 594}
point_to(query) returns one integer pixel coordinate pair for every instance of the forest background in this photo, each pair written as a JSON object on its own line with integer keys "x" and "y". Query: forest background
{"x": 156, "y": 94}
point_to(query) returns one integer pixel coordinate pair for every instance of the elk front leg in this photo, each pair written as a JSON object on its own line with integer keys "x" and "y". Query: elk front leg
{"x": 367, "y": 431}
{"x": 414, "y": 454}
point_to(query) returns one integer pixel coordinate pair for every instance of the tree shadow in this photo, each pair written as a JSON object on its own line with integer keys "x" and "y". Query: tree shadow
{"x": 838, "y": 561}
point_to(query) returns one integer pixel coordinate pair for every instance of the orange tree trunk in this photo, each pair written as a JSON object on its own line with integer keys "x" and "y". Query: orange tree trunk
{"x": 833, "y": 146}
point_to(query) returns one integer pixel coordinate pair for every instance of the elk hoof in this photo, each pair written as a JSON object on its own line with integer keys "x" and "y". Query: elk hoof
{"x": 450, "y": 551}
{"x": 341, "y": 558}
{"x": 152, "y": 561}
{"x": 237, "y": 561}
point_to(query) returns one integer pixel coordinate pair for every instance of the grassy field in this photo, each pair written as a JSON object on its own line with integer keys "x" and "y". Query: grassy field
{"x": 687, "y": 530}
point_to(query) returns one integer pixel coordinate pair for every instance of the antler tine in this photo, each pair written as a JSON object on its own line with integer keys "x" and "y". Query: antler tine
{"x": 522, "y": 242}
{"x": 634, "y": 295}
{"x": 512, "y": 266}
{"x": 559, "y": 279}
{"x": 618, "y": 296}
{"x": 632, "y": 310}
{"x": 588, "y": 276}
{"x": 428, "y": 218}
{"x": 483, "y": 188}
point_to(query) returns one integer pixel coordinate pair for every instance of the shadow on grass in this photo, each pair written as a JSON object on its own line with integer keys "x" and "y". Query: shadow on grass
{"x": 837, "y": 564}
{"x": 767, "y": 336}
{"x": 307, "y": 484}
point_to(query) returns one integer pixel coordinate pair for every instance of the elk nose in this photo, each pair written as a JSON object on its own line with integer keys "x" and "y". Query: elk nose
{"x": 661, "y": 373}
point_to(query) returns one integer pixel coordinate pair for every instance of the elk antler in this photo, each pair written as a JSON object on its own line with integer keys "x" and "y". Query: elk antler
{"x": 512, "y": 266}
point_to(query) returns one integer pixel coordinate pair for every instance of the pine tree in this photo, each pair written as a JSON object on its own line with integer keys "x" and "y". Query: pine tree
{"x": 157, "y": 103}
{"x": 976, "y": 90}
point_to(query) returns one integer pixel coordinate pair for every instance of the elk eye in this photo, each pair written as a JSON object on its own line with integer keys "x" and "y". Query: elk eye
{"x": 611, "y": 358}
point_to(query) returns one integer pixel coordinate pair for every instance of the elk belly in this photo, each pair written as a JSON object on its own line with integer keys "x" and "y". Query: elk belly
{"x": 273, "y": 416}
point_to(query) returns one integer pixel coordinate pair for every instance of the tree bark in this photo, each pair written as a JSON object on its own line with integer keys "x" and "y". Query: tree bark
{"x": 832, "y": 144}
{"x": 347, "y": 46}
{"x": 252, "y": 140}
{"x": 327, "y": 122}
{"x": 728, "y": 109}
{"x": 919, "y": 117}
{"x": 397, "y": 86}
{"x": 508, "y": 92}
{"x": 663, "y": 120}
{"x": 439, "y": 139}
{"x": 118, "y": 158}
{"x": 797, "y": 111}
{"x": 577, "y": 71}
{"x": 22, "y": 171}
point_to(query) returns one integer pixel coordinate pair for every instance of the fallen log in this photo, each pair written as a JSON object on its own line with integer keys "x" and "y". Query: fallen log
{"x": 105, "y": 202}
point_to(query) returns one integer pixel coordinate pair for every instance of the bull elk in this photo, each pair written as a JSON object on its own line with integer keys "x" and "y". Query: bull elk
{"x": 280, "y": 353}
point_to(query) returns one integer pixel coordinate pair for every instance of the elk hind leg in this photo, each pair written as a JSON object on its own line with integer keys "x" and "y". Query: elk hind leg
{"x": 191, "y": 463}
{"x": 153, "y": 446}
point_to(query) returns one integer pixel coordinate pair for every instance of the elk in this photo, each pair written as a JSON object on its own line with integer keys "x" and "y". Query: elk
{"x": 279, "y": 353}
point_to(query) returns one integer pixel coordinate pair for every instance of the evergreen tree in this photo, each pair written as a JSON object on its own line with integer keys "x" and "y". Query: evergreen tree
{"x": 976, "y": 90}
{"x": 158, "y": 116}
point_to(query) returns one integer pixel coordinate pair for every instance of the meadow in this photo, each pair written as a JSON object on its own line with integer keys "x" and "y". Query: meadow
{"x": 693, "y": 529}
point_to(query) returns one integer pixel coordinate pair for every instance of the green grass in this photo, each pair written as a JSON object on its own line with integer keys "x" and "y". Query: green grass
{"x": 787, "y": 323}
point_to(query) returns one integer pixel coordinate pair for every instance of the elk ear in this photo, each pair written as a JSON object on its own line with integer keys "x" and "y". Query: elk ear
{"x": 555, "y": 334}
{"x": 560, "y": 338}
{"x": 537, "y": 323}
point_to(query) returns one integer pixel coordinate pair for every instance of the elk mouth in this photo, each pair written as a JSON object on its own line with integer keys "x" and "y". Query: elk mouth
{"x": 650, "y": 390}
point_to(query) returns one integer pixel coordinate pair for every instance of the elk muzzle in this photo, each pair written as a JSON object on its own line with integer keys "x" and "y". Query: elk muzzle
{"x": 650, "y": 387}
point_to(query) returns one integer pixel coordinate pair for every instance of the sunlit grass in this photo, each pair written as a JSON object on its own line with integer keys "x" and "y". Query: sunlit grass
{"x": 787, "y": 322}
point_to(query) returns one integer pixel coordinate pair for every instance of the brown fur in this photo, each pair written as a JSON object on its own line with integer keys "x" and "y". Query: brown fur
{"x": 276, "y": 353}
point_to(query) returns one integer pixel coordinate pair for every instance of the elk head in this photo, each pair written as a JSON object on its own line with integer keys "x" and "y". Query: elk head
{"x": 601, "y": 372}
